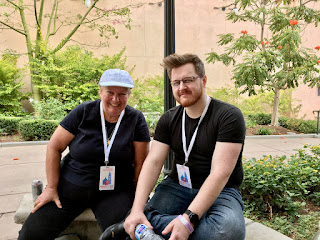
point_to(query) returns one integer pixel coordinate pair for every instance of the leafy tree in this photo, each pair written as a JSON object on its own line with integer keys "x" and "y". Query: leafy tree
{"x": 72, "y": 75}
{"x": 48, "y": 22}
{"x": 10, "y": 84}
{"x": 273, "y": 64}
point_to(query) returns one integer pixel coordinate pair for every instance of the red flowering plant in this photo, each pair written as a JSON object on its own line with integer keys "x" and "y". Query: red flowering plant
{"x": 317, "y": 48}
{"x": 293, "y": 22}
{"x": 274, "y": 59}
{"x": 244, "y": 32}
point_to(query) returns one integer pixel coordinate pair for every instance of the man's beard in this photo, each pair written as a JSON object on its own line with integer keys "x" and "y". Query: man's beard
{"x": 191, "y": 99}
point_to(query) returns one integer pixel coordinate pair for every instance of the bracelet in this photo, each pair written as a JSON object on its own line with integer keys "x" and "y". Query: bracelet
{"x": 186, "y": 223}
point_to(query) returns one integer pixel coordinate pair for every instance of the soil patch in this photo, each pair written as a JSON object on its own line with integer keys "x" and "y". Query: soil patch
{"x": 11, "y": 138}
{"x": 275, "y": 130}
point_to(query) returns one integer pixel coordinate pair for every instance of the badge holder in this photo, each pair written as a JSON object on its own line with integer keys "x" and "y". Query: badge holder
{"x": 107, "y": 180}
{"x": 184, "y": 176}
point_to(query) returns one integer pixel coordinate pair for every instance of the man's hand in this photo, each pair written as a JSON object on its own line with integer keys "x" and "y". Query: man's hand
{"x": 177, "y": 229}
{"x": 134, "y": 219}
{"x": 48, "y": 195}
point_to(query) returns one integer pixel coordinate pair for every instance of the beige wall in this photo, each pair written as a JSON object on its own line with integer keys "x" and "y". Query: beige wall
{"x": 197, "y": 25}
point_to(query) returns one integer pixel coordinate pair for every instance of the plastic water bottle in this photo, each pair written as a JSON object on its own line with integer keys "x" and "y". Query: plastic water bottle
{"x": 317, "y": 235}
{"x": 144, "y": 233}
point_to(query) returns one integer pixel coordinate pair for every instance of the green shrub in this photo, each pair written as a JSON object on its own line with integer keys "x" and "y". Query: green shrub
{"x": 148, "y": 95}
{"x": 229, "y": 94}
{"x": 9, "y": 125}
{"x": 152, "y": 120}
{"x": 275, "y": 184}
{"x": 308, "y": 126}
{"x": 302, "y": 126}
{"x": 283, "y": 121}
{"x": 50, "y": 109}
{"x": 37, "y": 129}
{"x": 10, "y": 84}
{"x": 250, "y": 124}
{"x": 260, "y": 118}
{"x": 294, "y": 123}
{"x": 265, "y": 131}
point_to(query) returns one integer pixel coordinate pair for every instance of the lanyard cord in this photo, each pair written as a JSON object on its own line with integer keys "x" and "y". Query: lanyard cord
{"x": 188, "y": 151}
{"x": 106, "y": 146}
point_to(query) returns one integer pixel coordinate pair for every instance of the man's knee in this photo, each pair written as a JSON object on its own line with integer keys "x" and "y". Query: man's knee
{"x": 228, "y": 227}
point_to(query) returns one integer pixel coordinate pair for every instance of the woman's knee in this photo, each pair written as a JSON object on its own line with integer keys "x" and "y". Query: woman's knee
{"x": 28, "y": 232}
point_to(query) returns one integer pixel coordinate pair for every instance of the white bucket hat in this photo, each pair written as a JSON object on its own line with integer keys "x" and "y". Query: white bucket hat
{"x": 116, "y": 77}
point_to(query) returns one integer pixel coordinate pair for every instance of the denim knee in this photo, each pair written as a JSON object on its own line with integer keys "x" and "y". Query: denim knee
{"x": 224, "y": 219}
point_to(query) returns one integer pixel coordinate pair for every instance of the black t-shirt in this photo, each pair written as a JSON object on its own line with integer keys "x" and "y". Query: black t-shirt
{"x": 86, "y": 155}
{"x": 222, "y": 123}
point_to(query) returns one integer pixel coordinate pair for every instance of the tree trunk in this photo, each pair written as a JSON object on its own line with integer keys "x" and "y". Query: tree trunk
{"x": 275, "y": 110}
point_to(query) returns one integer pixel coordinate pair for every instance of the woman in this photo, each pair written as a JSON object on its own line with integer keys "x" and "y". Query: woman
{"x": 102, "y": 166}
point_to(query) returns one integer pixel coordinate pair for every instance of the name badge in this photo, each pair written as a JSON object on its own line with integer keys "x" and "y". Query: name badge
{"x": 107, "y": 178}
{"x": 184, "y": 176}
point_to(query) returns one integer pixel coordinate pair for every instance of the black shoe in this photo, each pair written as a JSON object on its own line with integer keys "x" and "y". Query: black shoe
{"x": 115, "y": 231}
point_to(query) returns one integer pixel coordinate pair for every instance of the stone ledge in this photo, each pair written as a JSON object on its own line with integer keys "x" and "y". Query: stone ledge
{"x": 26, "y": 207}
{"x": 258, "y": 231}
{"x": 85, "y": 225}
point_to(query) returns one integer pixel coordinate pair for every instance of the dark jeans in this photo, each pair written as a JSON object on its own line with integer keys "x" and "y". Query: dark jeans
{"x": 223, "y": 220}
{"x": 48, "y": 222}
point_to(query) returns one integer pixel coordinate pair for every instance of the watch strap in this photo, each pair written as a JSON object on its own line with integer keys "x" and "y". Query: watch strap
{"x": 194, "y": 218}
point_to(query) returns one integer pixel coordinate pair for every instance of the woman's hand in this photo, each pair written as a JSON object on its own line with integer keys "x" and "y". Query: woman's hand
{"x": 48, "y": 195}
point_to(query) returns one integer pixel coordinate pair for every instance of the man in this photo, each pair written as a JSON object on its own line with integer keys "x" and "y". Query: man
{"x": 200, "y": 199}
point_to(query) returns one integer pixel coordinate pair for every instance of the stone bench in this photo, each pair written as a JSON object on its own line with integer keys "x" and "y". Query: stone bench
{"x": 85, "y": 225}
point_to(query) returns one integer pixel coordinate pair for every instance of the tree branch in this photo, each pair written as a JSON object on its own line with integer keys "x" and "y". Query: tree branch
{"x": 13, "y": 4}
{"x": 307, "y": 2}
{"x": 17, "y": 30}
{"x": 56, "y": 30}
{"x": 66, "y": 39}
{"x": 26, "y": 30}
{"x": 50, "y": 20}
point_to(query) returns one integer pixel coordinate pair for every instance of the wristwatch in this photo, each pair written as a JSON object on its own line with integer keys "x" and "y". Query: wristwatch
{"x": 194, "y": 218}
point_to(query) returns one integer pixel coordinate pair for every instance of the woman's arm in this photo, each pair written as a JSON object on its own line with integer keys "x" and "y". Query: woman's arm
{"x": 57, "y": 144}
{"x": 141, "y": 150}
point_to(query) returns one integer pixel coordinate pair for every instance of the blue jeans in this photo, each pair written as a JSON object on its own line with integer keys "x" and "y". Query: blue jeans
{"x": 223, "y": 220}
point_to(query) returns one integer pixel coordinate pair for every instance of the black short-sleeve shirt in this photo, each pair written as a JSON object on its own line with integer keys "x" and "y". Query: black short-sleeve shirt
{"x": 86, "y": 153}
{"x": 222, "y": 123}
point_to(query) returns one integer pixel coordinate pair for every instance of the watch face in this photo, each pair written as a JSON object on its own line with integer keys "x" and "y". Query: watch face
{"x": 193, "y": 217}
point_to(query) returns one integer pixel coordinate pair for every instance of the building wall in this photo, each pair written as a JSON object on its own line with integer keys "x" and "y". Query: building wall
{"x": 197, "y": 25}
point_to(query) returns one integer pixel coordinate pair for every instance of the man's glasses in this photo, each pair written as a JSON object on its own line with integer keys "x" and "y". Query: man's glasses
{"x": 186, "y": 80}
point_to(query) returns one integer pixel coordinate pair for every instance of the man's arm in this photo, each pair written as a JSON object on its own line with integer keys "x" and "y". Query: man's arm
{"x": 224, "y": 159}
{"x": 148, "y": 177}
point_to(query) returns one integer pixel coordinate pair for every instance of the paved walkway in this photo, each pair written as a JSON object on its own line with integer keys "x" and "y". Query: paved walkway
{"x": 20, "y": 163}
